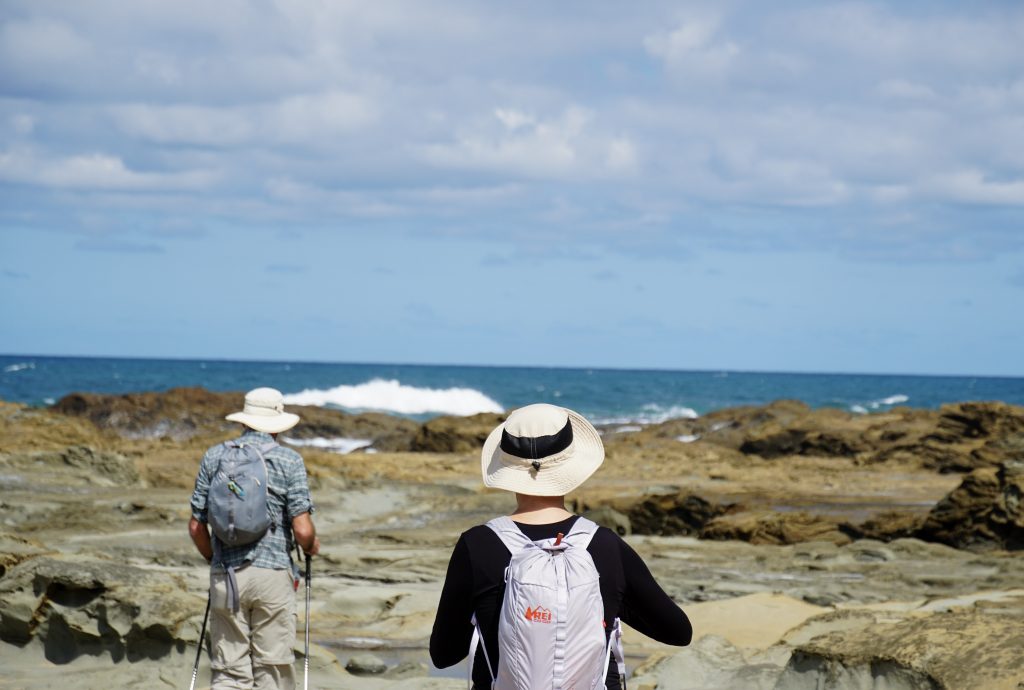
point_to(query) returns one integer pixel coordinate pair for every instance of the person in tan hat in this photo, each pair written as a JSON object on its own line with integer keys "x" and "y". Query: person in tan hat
{"x": 541, "y": 453}
{"x": 255, "y": 497}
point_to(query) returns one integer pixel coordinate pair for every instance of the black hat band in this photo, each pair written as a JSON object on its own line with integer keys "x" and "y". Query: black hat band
{"x": 535, "y": 447}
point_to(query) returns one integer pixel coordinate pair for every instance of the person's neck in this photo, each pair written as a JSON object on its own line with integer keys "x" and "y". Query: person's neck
{"x": 540, "y": 510}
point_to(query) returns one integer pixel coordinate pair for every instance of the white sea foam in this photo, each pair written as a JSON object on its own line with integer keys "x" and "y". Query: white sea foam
{"x": 49, "y": 401}
{"x": 897, "y": 399}
{"x": 628, "y": 429}
{"x": 651, "y": 413}
{"x": 20, "y": 366}
{"x": 335, "y": 445}
{"x": 688, "y": 438}
{"x": 393, "y": 396}
{"x": 656, "y": 413}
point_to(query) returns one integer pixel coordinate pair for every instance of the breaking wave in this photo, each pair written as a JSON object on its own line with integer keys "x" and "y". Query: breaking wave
{"x": 21, "y": 366}
{"x": 335, "y": 445}
{"x": 897, "y": 399}
{"x": 652, "y": 413}
{"x": 392, "y": 396}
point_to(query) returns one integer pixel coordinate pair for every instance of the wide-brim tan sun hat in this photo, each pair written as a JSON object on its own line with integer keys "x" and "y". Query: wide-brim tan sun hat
{"x": 541, "y": 450}
{"x": 264, "y": 411}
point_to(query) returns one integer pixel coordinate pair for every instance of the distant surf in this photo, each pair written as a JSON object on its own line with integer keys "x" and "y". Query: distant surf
{"x": 392, "y": 396}
{"x": 608, "y": 397}
{"x": 650, "y": 413}
{"x": 883, "y": 403}
{"x": 340, "y": 444}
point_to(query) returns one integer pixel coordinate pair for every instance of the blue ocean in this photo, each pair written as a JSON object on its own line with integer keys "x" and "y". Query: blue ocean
{"x": 421, "y": 391}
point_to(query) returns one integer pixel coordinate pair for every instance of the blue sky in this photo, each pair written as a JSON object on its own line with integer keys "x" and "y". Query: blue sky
{"x": 795, "y": 186}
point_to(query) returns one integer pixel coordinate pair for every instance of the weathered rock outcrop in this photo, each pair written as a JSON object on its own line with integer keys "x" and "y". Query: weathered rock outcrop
{"x": 94, "y": 466}
{"x": 456, "y": 434}
{"x": 682, "y": 515}
{"x": 974, "y": 434}
{"x": 981, "y": 651}
{"x": 177, "y": 414}
{"x": 710, "y": 663}
{"x": 985, "y": 512}
{"x": 885, "y": 526}
{"x": 854, "y": 649}
{"x": 387, "y": 433}
{"x": 80, "y": 607}
{"x": 766, "y": 527}
{"x": 690, "y": 515}
{"x": 180, "y": 414}
{"x": 956, "y": 438}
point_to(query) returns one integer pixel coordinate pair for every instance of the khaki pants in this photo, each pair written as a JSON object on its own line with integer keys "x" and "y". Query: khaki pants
{"x": 252, "y": 648}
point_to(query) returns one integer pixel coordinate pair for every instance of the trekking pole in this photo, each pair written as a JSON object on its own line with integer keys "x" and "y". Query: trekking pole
{"x": 199, "y": 652}
{"x": 305, "y": 658}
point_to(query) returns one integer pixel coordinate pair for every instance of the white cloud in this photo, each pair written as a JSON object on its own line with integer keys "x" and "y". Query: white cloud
{"x": 308, "y": 119}
{"x": 22, "y": 123}
{"x": 94, "y": 171}
{"x": 559, "y": 147}
{"x": 693, "y": 49}
{"x": 621, "y": 156}
{"x": 904, "y": 89}
{"x": 160, "y": 67}
{"x": 973, "y": 186}
{"x": 319, "y": 115}
{"x": 411, "y": 202}
{"x": 877, "y": 35}
{"x": 513, "y": 119}
{"x": 185, "y": 124}
{"x": 330, "y": 202}
{"x": 42, "y": 43}
{"x": 580, "y": 121}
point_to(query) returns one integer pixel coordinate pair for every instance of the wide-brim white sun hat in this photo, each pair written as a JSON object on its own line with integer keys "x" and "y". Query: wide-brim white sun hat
{"x": 264, "y": 411}
{"x": 541, "y": 450}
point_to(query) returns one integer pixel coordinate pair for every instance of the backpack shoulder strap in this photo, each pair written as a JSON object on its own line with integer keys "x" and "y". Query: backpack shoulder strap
{"x": 511, "y": 536}
{"x": 226, "y": 444}
{"x": 583, "y": 530}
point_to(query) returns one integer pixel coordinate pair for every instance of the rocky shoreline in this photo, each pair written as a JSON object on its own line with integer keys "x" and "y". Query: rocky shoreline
{"x": 812, "y": 548}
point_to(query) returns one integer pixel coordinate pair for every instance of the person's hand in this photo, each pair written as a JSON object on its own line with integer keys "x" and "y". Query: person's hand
{"x": 315, "y": 549}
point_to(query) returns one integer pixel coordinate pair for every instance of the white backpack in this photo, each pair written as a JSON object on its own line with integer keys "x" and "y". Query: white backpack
{"x": 551, "y": 630}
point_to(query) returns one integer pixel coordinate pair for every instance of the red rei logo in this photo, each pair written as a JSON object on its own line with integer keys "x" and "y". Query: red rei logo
{"x": 538, "y": 614}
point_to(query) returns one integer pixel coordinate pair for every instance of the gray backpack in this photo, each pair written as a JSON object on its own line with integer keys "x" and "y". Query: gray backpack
{"x": 237, "y": 507}
{"x": 551, "y": 629}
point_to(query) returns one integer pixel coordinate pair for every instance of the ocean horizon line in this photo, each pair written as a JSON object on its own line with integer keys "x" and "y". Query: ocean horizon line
{"x": 541, "y": 367}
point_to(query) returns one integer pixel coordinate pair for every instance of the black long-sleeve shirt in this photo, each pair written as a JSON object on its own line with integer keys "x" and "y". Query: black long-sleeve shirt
{"x": 475, "y": 583}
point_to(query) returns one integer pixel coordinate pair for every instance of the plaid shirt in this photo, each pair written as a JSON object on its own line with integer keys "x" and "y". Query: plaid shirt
{"x": 288, "y": 497}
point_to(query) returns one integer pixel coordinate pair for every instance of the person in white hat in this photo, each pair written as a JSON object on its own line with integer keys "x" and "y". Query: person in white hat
{"x": 252, "y": 585}
{"x": 541, "y": 453}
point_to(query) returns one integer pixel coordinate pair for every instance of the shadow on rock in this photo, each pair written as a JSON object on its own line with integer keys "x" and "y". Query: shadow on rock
{"x": 77, "y": 607}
